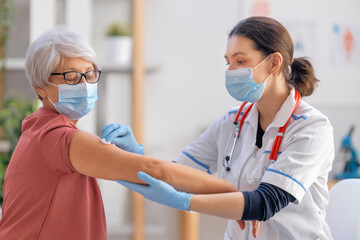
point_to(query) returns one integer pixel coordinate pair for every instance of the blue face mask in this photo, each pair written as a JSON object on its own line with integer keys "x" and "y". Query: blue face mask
{"x": 241, "y": 85}
{"x": 75, "y": 101}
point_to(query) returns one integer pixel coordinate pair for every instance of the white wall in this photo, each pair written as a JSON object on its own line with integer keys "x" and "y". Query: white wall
{"x": 187, "y": 39}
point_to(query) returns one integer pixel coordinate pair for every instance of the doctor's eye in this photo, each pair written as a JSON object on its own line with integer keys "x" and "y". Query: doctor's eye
{"x": 241, "y": 62}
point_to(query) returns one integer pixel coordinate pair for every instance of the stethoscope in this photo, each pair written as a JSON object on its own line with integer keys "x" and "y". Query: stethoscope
{"x": 236, "y": 130}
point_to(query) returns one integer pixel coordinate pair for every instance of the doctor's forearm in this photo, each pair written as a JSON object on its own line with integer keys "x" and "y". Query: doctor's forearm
{"x": 261, "y": 204}
{"x": 225, "y": 205}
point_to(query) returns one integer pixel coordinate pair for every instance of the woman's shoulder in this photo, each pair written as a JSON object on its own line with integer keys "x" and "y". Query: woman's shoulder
{"x": 307, "y": 114}
{"x": 46, "y": 119}
{"x": 308, "y": 111}
{"x": 229, "y": 115}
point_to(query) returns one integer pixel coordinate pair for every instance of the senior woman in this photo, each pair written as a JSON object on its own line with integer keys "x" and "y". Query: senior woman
{"x": 50, "y": 190}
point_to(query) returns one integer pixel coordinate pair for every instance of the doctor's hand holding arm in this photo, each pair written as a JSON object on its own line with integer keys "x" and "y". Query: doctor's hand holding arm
{"x": 158, "y": 191}
{"x": 275, "y": 148}
{"x": 216, "y": 205}
{"x": 122, "y": 136}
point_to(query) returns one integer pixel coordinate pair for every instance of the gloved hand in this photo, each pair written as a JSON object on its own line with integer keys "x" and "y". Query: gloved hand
{"x": 122, "y": 137}
{"x": 160, "y": 192}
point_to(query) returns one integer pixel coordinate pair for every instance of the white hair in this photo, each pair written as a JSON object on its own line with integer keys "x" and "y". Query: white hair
{"x": 47, "y": 52}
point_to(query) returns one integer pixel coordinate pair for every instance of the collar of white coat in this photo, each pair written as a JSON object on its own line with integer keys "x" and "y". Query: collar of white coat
{"x": 280, "y": 118}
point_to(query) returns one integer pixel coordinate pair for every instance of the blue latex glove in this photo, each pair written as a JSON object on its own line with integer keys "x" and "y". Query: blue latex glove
{"x": 122, "y": 136}
{"x": 160, "y": 192}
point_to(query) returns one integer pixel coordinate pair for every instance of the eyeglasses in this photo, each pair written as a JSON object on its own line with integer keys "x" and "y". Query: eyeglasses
{"x": 74, "y": 77}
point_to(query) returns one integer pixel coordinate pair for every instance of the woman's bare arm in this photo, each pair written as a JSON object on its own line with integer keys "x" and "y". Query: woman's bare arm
{"x": 92, "y": 158}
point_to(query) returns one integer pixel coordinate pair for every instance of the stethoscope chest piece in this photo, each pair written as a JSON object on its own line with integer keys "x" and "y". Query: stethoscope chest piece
{"x": 227, "y": 163}
{"x": 233, "y": 138}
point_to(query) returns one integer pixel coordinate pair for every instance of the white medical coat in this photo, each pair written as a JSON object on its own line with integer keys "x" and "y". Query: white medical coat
{"x": 301, "y": 169}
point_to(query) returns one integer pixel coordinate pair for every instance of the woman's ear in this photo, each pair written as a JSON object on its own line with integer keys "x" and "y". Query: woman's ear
{"x": 41, "y": 92}
{"x": 276, "y": 62}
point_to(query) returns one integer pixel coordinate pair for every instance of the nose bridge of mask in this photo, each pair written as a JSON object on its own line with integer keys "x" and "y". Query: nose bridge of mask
{"x": 77, "y": 91}
{"x": 239, "y": 72}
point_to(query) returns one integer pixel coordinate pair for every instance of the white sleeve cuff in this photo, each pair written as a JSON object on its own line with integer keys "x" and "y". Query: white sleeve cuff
{"x": 285, "y": 182}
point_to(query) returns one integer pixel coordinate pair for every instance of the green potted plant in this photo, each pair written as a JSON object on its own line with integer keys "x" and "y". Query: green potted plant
{"x": 119, "y": 44}
{"x": 6, "y": 15}
{"x": 13, "y": 111}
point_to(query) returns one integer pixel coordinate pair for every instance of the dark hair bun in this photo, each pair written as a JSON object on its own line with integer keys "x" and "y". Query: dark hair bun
{"x": 302, "y": 76}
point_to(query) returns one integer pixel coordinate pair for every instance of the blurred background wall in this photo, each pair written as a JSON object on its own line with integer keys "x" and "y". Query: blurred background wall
{"x": 184, "y": 90}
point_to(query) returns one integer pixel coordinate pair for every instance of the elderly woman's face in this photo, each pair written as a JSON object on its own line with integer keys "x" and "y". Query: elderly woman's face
{"x": 69, "y": 64}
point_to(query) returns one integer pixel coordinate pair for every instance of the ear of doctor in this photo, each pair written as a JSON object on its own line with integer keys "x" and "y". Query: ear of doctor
{"x": 122, "y": 136}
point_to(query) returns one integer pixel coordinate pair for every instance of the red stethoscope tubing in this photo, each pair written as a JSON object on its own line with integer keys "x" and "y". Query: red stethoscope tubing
{"x": 276, "y": 146}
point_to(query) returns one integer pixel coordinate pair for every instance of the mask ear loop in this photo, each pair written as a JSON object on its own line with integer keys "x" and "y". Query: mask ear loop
{"x": 53, "y": 84}
{"x": 267, "y": 77}
{"x": 50, "y": 101}
{"x": 262, "y": 62}
{"x": 48, "y": 97}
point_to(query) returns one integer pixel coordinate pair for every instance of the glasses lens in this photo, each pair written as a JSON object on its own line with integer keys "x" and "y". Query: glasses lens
{"x": 92, "y": 76}
{"x": 72, "y": 77}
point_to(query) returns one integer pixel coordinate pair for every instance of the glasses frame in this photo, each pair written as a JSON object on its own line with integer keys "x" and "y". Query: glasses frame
{"x": 81, "y": 76}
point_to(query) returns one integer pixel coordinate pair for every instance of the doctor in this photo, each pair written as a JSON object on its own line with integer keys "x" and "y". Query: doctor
{"x": 276, "y": 148}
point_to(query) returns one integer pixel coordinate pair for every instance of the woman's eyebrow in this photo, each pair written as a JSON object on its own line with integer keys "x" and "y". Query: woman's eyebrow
{"x": 235, "y": 54}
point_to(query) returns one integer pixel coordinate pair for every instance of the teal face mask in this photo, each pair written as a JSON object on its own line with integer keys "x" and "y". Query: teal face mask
{"x": 75, "y": 101}
{"x": 241, "y": 85}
